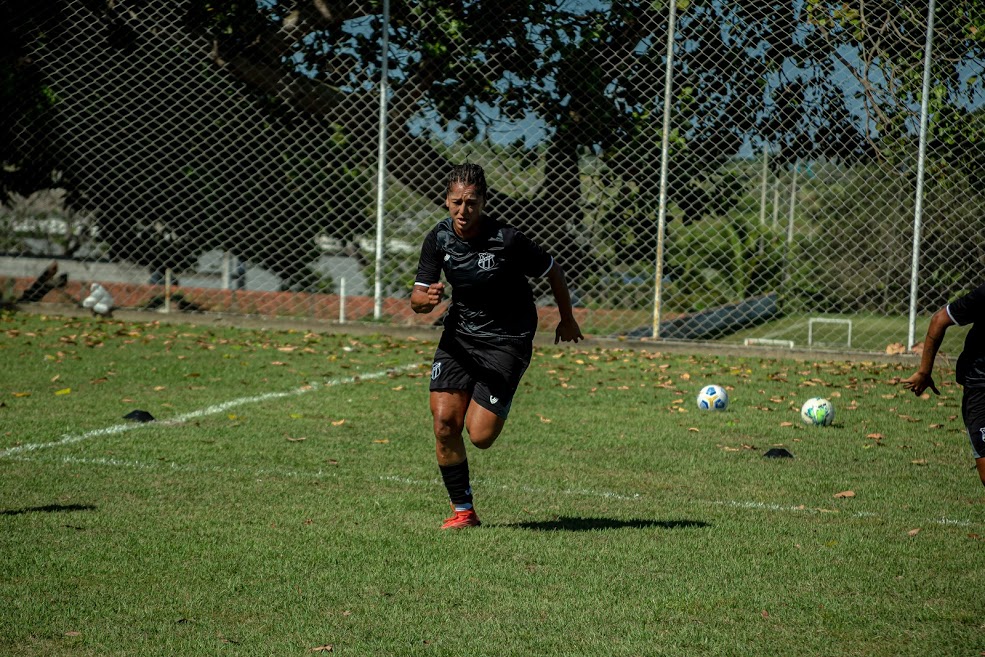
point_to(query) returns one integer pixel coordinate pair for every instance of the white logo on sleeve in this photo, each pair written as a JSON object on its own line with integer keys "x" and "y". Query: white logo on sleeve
{"x": 493, "y": 400}
{"x": 447, "y": 257}
{"x": 435, "y": 371}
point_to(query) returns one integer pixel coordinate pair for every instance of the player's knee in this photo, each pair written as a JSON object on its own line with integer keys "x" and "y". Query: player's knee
{"x": 484, "y": 439}
{"x": 447, "y": 428}
{"x": 482, "y": 443}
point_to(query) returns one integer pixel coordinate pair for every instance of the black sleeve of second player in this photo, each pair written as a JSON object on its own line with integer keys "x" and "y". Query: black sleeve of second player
{"x": 429, "y": 266}
{"x": 970, "y": 308}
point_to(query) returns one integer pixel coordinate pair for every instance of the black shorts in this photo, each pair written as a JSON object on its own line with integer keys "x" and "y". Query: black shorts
{"x": 973, "y": 414}
{"x": 490, "y": 373}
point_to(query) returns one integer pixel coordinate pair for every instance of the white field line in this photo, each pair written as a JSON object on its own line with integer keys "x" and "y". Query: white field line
{"x": 210, "y": 410}
{"x": 582, "y": 492}
{"x": 436, "y": 482}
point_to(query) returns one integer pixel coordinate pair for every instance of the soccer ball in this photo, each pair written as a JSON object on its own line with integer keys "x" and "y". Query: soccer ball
{"x": 713, "y": 398}
{"x": 817, "y": 412}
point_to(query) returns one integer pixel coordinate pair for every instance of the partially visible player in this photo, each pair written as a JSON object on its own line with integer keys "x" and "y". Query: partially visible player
{"x": 488, "y": 332}
{"x": 969, "y": 309}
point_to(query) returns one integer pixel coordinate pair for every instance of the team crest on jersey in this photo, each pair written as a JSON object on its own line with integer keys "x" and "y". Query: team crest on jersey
{"x": 435, "y": 371}
{"x": 486, "y": 261}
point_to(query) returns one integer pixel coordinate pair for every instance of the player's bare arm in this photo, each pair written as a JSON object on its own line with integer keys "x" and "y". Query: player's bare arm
{"x": 567, "y": 329}
{"x": 922, "y": 378}
{"x": 424, "y": 299}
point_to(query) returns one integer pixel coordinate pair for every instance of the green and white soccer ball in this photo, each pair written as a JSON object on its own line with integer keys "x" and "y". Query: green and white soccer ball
{"x": 817, "y": 412}
{"x": 713, "y": 398}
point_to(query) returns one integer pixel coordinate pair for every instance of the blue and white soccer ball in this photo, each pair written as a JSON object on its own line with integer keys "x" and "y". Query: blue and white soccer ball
{"x": 817, "y": 412}
{"x": 713, "y": 398}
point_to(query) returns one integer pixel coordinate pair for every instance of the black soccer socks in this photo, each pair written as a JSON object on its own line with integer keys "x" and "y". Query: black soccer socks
{"x": 456, "y": 478}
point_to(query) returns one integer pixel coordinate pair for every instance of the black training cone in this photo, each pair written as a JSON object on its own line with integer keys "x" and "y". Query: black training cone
{"x": 139, "y": 416}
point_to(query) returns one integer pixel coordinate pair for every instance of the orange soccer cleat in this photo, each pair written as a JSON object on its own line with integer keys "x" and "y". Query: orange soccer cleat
{"x": 461, "y": 520}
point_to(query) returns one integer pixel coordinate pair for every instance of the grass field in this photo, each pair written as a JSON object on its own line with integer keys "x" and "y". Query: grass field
{"x": 830, "y": 332}
{"x": 286, "y": 502}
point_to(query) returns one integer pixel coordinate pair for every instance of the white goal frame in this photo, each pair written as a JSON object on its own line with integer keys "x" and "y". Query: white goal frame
{"x": 827, "y": 320}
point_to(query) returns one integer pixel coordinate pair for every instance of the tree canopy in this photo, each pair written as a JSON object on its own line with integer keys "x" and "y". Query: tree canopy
{"x": 814, "y": 80}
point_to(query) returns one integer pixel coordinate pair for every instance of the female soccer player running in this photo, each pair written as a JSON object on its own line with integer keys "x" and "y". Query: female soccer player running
{"x": 488, "y": 332}
{"x": 969, "y": 309}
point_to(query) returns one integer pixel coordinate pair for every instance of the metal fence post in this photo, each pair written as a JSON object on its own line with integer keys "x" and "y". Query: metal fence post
{"x": 664, "y": 157}
{"x": 381, "y": 166}
{"x": 921, "y": 157}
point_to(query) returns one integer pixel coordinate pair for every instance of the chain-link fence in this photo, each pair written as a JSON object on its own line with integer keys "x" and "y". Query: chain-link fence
{"x": 225, "y": 156}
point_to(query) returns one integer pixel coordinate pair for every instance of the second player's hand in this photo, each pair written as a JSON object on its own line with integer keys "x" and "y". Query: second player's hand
{"x": 920, "y": 382}
{"x": 568, "y": 331}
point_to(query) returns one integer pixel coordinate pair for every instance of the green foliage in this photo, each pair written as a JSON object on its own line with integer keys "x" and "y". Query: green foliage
{"x": 26, "y": 103}
{"x": 591, "y": 77}
{"x": 891, "y": 62}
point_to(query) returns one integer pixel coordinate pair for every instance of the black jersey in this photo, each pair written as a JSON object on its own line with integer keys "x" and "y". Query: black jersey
{"x": 491, "y": 298}
{"x": 970, "y": 309}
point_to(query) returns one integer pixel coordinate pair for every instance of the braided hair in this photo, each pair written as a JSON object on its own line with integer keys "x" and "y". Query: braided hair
{"x": 468, "y": 174}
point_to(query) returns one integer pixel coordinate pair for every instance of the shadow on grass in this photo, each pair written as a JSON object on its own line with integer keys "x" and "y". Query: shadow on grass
{"x": 568, "y": 524}
{"x": 49, "y": 508}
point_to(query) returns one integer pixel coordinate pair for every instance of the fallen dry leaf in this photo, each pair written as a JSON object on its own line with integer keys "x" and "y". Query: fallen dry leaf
{"x": 338, "y": 423}
{"x": 844, "y": 494}
{"x": 695, "y": 429}
{"x": 382, "y": 441}
{"x": 328, "y": 647}
{"x": 63, "y": 391}
{"x": 296, "y": 440}
{"x": 919, "y": 461}
{"x": 545, "y": 420}
{"x": 913, "y": 532}
{"x": 22, "y": 394}
{"x": 786, "y": 424}
{"x": 73, "y": 633}
{"x": 875, "y": 436}
{"x": 895, "y": 348}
